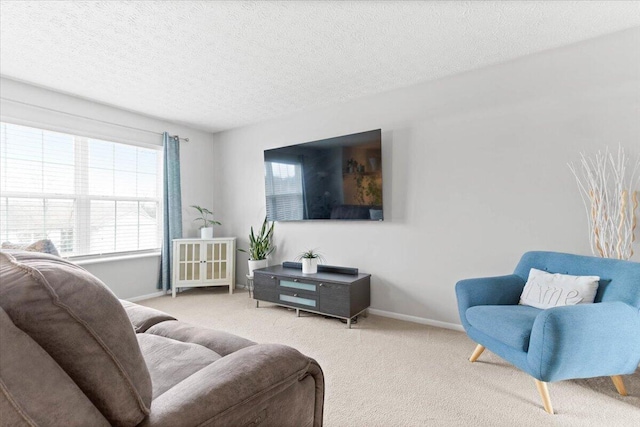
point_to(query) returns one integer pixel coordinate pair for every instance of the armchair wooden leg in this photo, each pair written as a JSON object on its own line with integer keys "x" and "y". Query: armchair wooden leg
{"x": 617, "y": 381}
{"x": 544, "y": 394}
{"x": 476, "y": 353}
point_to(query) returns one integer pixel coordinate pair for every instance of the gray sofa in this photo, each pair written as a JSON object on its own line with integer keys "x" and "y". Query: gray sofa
{"x": 72, "y": 354}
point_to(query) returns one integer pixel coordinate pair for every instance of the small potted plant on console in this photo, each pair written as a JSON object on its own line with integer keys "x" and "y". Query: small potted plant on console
{"x": 309, "y": 259}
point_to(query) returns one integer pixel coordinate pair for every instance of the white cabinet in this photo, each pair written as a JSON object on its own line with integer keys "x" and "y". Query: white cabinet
{"x": 204, "y": 262}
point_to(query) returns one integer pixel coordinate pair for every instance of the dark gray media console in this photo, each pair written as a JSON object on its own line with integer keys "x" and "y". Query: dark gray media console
{"x": 333, "y": 294}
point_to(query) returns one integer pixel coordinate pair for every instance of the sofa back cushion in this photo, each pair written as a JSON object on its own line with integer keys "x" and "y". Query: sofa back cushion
{"x": 619, "y": 280}
{"x": 78, "y": 321}
{"x": 33, "y": 384}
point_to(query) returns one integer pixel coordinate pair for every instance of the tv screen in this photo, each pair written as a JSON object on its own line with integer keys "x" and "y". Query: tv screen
{"x": 331, "y": 179}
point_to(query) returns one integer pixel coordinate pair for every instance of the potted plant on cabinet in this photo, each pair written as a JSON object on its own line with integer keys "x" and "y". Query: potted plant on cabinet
{"x": 260, "y": 246}
{"x": 206, "y": 231}
{"x": 309, "y": 259}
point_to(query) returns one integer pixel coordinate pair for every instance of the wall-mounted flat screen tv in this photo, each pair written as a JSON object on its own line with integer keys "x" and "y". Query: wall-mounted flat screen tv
{"x": 331, "y": 179}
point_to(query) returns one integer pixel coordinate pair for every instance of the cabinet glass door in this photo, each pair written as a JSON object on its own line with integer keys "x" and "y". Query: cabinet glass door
{"x": 189, "y": 262}
{"x": 216, "y": 261}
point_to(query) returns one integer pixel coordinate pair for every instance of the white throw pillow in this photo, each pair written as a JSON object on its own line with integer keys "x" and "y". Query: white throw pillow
{"x": 546, "y": 290}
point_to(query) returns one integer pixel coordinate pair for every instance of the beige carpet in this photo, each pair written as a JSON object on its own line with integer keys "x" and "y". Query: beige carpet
{"x": 387, "y": 372}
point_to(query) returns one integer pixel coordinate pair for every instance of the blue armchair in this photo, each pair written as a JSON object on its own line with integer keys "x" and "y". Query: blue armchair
{"x": 578, "y": 341}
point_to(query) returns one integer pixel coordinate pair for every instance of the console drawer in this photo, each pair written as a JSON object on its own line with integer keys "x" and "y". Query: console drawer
{"x": 289, "y": 298}
{"x": 264, "y": 279}
{"x": 298, "y": 300}
{"x": 286, "y": 284}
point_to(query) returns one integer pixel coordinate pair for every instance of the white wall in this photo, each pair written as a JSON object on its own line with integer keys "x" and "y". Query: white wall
{"x": 475, "y": 170}
{"x": 135, "y": 277}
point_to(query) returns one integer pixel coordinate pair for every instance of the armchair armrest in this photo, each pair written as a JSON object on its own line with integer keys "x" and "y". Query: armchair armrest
{"x": 232, "y": 390}
{"x": 585, "y": 340}
{"x": 500, "y": 290}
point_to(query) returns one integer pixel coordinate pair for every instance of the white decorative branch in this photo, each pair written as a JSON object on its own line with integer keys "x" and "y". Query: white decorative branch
{"x": 610, "y": 192}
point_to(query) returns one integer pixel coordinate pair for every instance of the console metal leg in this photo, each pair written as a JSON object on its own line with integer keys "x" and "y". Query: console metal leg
{"x": 257, "y": 304}
{"x": 297, "y": 312}
{"x": 349, "y": 323}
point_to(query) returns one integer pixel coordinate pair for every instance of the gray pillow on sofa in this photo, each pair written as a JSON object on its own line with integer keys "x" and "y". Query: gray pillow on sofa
{"x": 78, "y": 321}
{"x": 45, "y": 246}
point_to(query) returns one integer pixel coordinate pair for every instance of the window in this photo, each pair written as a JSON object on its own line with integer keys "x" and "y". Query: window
{"x": 284, "y": 190}
{"x": 88, "y": 196}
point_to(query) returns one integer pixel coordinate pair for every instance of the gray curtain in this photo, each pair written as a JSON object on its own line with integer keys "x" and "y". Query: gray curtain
{"x": 171, "y": 205}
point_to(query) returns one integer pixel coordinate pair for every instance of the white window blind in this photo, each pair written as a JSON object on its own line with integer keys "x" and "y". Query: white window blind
{"x": 284, "y": 191}
{"x": 88, "y": 196}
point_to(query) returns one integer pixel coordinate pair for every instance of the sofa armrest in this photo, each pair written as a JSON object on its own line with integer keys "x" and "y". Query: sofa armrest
{"x": 585, "y": 340}
{"x": 500, "y": 290}
{"x": 227, "y": 391}
{"x": 142, "y": 318}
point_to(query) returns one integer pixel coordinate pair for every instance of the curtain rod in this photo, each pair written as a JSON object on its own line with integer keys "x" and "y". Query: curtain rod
{"x": 91, "y": 118}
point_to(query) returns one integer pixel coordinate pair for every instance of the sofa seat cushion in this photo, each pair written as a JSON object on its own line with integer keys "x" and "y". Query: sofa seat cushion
{"x": 222, "y": 343}
{"x": 142, "y": 318}
{"x": 78, "y": 321}
{"x": 509, "y": 324}
{"x": 170, "y": 361}
{"x": 35, "y": 389}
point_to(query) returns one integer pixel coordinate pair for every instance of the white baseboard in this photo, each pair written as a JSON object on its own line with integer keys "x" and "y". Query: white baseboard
{"x": 416, "y": 319}
{"x": 147, "y": 296}
{"x": 162, "y": 293}
{"x": 375, "y": 311}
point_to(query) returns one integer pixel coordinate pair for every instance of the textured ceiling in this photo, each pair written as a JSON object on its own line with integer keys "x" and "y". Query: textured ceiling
{"x": 218, "y": 65}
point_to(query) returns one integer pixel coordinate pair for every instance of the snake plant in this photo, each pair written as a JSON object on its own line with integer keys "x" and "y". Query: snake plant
{"x": 260, "y": 245}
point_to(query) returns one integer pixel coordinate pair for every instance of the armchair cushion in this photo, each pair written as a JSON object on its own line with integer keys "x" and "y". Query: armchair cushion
{"x": 501, "y": 290}
{"x": 509, "y": 324}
